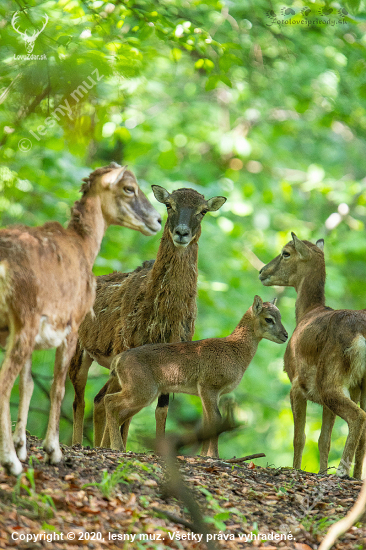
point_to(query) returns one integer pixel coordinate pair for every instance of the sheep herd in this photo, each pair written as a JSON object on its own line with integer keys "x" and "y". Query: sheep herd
{"x": 140, "y": 325}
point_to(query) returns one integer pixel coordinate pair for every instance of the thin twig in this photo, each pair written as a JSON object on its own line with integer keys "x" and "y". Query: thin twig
{"x": 244, "y": 458}
{"x": 175, "y": 487}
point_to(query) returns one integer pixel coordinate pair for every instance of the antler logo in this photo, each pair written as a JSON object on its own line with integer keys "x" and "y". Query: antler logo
{"x": 29, "y": 40}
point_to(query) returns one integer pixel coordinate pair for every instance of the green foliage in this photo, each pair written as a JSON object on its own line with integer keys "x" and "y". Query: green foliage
{"x": 220, "y": 516}
{"x": 212, "y": 96}
{"x": 41, "y": 504}
{"x": 317, "y": 526}
{"x": 124, "y": 473}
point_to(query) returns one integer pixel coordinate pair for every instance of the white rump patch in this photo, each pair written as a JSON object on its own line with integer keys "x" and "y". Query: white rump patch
{"x": 357, "y": 355}
{"x": 2, "y": 271}
{"x": 48, "y": 336}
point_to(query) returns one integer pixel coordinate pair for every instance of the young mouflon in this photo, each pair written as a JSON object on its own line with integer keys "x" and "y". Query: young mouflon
{"x": 207, "y": 368}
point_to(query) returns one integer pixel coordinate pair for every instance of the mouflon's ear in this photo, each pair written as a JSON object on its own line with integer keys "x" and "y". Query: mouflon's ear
{"x": 320, "y": 244}
{"x": 301, "y": 248}
{"x": 257, "y": 305}
{"x": 215, "y": 203}
{"x": 160, "y": 193}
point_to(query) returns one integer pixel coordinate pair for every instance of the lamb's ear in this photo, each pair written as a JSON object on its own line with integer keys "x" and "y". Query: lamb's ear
{"x": 301, "y": 248}
{"x": 215, "y": 203}
{"x": 257, "y": 305}
{"x": 160, "y": 193}
{"x": 274, "y": 301}
{"x": 320, "y": 244}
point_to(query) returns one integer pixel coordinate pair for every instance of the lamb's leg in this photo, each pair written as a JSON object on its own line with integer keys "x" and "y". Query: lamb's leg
{"x": 298, "y": 405}
{"x": 325, "y": 438}
{"x": 18, "y": 353}
{"x": 64, "y": 353}
{"x": 78, "y": 372}
{"x": 99, "y": 417}
{"x": 99, "y": 413}
{"x": 161, "y": 412}
{"x": 106, "y": 440}
{"x": 211, "y": 418}
{"x": 124, "y": 431}
{"x": 26, "y": 386}
{"x": 116, "y": 413}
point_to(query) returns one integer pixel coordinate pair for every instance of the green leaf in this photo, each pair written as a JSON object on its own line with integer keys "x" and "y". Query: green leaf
{"x": 212, "y": 82}
{"x": 226, "y": 81}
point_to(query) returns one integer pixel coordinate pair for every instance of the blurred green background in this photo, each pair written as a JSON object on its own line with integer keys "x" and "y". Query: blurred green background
{"x": 260, "y": 102}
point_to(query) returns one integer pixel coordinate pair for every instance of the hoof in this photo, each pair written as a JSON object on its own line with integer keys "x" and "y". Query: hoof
{"x": 13, "y": 467}
{"x": 53, "y": 456}
{"x": 21, "y": 448}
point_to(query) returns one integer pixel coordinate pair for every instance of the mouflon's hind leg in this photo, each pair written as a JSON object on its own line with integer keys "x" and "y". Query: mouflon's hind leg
{"x": 211, "y": 419}
{"x": 161, "y": 413}
{"x": 118, "y": 410}
{"x": 361, "y": 447}
{"x": 298, "y": 406}
{"x": 64, "y": 353}
{"x": 26, "y": 386}
{"x": 355, "y": 418}
{"x": 18, "y": 354}
{"x": 78, "y": 372}
{"x": 325, "y": 438}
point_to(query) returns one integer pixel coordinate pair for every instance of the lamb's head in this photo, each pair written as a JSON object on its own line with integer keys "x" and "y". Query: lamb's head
{"x": 186, "y": 208}
{"x": 122, "y": 201}
{"x": 267, "y": 321}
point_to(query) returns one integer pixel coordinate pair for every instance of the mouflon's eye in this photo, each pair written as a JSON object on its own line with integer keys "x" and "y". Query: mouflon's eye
{"x": 285, "y": 254}
{"x": 129, "y": 190}
{"x": 269, "y": 320}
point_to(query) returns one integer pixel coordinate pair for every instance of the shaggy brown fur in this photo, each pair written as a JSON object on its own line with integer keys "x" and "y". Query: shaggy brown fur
{"x": 47, "y": 287}
{"x": 156, "y": 303}
{"x": 325, "y": 356}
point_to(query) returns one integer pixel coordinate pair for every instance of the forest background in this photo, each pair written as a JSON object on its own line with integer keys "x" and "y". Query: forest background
{"x": 262, "y": 102}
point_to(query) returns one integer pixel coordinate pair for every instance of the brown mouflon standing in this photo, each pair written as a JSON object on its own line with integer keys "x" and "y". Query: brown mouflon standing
{"x": 208, "y": 368}
{"x": 47, "y": 287}
{"x": 325, "y": 358}
{"x": 155, "y": 303}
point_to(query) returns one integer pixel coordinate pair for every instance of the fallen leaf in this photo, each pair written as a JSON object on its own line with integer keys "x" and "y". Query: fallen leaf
{"x": 150, "y": 483}
{"x": 132, "y": 500}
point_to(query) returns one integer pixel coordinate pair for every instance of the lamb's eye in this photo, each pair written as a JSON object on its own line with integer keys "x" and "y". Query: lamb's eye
{"x": 168, "y": 206}
{"x": 203, "y": 212}
{"x": 285, "y": 254}
{"x": 269, "y": 321}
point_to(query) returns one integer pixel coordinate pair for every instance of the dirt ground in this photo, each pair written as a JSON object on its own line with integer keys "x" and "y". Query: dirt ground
{"x": 99, "y": 498}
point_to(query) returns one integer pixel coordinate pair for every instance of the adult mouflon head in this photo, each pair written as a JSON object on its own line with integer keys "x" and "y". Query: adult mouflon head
{"x": 129, "y": 207}
{"x": 296, "y": 262}
{"x": 186, "y": 208}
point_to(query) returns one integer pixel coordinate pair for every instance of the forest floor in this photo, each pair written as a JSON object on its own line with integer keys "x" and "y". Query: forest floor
{"x": 99, "y": 498}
